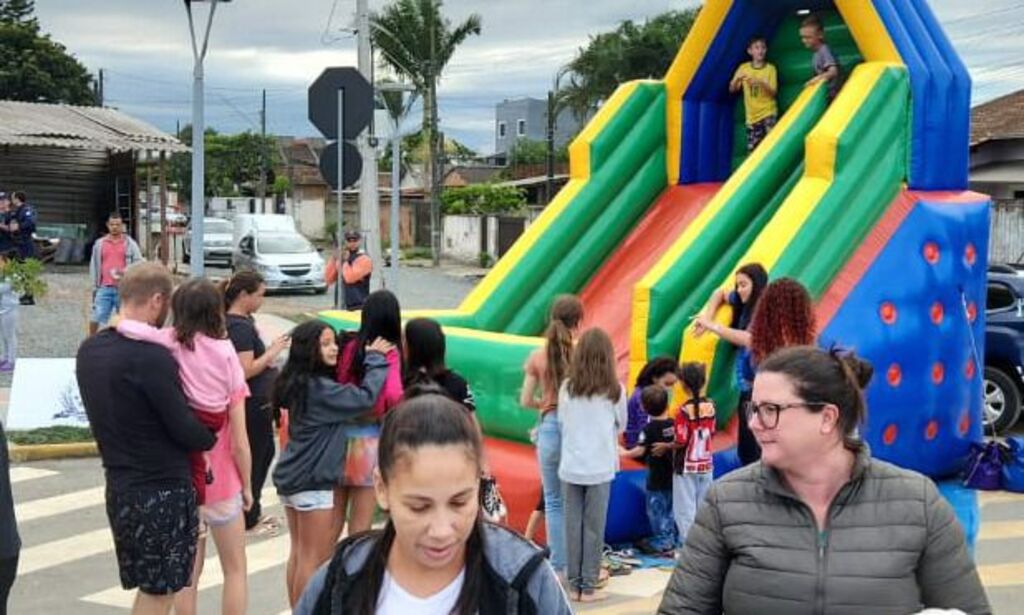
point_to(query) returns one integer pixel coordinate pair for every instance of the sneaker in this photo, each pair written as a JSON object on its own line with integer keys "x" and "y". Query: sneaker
{"x": 494, "y": 509}
{"x": 6, "y": 366}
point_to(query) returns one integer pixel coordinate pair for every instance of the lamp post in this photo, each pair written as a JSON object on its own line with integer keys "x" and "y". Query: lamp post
{"x": 396, "y": 171}
{"x": 198, "y": 136}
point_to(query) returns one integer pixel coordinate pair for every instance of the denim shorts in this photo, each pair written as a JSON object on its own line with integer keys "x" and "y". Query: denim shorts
{"x": 305, "y": 501}
{"x": 105, "y": 302}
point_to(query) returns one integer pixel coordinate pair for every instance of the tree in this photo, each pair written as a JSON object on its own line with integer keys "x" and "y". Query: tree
{"x": 482, "y": 199}
{"x": 416, "y": 42}
{"x": 631, "y": 51}
{"x": 34, "y": 67}
{"x": 233, "y": 163}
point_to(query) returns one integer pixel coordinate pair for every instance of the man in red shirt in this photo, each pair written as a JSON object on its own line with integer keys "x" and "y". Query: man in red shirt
{"x": 111, "y": 255}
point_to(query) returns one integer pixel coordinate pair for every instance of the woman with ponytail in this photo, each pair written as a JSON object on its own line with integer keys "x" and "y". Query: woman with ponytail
{"x": 243, "y": 297}
{"x": 751, "y": 280}
{"x": 435, "y": 555}
{"x": 818, "y": 518}
{"x": 546, "y": 369}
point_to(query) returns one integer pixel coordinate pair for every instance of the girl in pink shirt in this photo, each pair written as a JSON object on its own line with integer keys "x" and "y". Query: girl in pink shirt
{"x": 214, "y": 385}
{"x": 381, "y": 317}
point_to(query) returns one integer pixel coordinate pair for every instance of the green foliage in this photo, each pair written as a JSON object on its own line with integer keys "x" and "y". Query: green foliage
{"x": 414, "y": 151}
{"x": 485, "y": 260}
{"x": 416, "y": 253}
{"x": 531, "y": 151}
{"x": 482, "y": 199}
{"x": 233, "y": 163}
{"x": 26, "y": 277}
{"x": 631, "y": 51}
{"x": 58, "y": 434}
{"x": 34, "y": 67}
{"x": 282, "y": 185}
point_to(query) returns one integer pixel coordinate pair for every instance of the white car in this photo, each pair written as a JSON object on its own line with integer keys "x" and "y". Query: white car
{"x": 218, "y": 235}
{"x": 287, "y": 261}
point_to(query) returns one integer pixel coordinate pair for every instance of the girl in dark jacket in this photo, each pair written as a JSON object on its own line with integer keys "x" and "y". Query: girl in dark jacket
{"x": 435, "y": 556}
{"x": 320, "y": 411}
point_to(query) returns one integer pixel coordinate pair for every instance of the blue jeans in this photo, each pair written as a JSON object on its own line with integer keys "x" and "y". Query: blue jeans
{"x": 688, "y": 491}
{"x": 663, "y": 524}
{"x": 105, "y": 302}
{"x": 549, "y": 454}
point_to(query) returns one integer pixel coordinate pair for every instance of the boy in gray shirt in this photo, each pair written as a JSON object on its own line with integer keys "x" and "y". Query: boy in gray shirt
{"x": 826, "y": 66}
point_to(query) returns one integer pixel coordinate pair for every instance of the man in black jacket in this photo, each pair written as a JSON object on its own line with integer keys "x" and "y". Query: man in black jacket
{"x": 145, "y": 431}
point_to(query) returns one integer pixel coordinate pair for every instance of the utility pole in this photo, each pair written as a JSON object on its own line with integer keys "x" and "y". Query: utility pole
{"x": 263, "y": 152}
{"x": 550, "y": 183}
{"x": 435, "y": 184}
{"x": 198, "y": 137}
{"x": 99, "y": 90}
{"x": 369, "y": 200}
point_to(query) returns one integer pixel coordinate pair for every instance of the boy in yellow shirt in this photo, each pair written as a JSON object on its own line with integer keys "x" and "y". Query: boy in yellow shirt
{"x": 759, "y": 81}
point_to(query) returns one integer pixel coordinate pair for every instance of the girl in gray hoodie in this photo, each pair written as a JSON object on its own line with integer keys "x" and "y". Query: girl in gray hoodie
{"x": 435, "y": 555}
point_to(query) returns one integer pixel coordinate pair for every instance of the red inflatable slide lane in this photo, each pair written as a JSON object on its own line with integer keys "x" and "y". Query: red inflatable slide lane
{"x": 608, "y": 297}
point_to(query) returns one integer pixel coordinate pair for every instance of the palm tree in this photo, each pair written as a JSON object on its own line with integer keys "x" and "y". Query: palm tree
{"x": 416, "y": 41}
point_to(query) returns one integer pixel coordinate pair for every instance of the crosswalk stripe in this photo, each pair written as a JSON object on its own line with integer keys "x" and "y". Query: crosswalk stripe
{"x": 58, "y": 504}
{"x": 21, "y": 474}
{"x": 1001, "y": 575}
{"x": 259, "y": 556}
{"x": 59, "y": 552}
{"x": 87, "y": 544}
{"x": 997, "y": 530}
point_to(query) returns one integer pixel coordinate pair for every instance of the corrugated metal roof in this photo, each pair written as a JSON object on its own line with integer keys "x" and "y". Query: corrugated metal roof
{"x": 71, "y": 127}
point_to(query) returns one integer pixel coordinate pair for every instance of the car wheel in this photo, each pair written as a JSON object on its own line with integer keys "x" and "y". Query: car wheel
{"x": 1002, "y": 401}
{"x": 321, "y": 290}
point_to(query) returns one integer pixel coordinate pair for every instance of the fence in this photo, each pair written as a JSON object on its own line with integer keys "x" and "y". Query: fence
{"x": 1006, "y": 239}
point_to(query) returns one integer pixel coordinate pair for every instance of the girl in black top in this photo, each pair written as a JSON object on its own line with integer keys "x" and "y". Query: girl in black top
{"x": 243, "y": 296}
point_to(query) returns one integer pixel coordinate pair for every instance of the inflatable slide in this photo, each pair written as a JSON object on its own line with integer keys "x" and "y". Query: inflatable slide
{"x": 862, "y": 199}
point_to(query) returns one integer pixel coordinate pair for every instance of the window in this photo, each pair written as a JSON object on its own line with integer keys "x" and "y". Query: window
{"x": 521, "y": 128}
{"x": 284, "y": 244}
{"x": 999, "y": 297}
{"x": 502, "y": 130}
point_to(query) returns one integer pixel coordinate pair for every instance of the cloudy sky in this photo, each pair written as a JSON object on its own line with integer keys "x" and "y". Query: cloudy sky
{"x": 143, "y": 47}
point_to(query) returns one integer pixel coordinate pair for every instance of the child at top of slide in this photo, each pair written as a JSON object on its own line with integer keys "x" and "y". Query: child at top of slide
{"x": 826, "y": 66}
{"x": 760, "y": 83}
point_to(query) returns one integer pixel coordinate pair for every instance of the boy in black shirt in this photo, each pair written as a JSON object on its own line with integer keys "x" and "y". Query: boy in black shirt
{"x": 660, "y": 430}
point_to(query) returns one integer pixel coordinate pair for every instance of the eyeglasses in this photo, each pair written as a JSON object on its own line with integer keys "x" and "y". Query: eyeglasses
{"x": 769, "y": 412}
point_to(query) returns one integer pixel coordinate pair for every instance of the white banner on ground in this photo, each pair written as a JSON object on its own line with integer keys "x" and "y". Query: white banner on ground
{"x": 44, "y": 393}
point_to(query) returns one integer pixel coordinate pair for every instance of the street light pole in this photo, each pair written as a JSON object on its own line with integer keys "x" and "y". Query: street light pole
{"x": 369, "y": 199}
{"x": 396, "y": 171}
{"x": 198, "y": 139}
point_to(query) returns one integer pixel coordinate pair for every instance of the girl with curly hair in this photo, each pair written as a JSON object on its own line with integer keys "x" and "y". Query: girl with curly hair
{"x": 784, "y": 317}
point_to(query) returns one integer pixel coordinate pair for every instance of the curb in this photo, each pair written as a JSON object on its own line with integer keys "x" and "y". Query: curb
{"x": 40, "y": 452}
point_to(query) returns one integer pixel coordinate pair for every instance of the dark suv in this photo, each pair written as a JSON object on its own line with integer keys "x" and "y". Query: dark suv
{"x": 1004, "y": 347}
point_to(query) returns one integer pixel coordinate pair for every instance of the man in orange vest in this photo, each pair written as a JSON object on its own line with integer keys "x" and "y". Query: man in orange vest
{"x": 356, "y": 269}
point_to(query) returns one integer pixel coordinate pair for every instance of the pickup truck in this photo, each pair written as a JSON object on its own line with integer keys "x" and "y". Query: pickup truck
{"x": 1004, "y": 348}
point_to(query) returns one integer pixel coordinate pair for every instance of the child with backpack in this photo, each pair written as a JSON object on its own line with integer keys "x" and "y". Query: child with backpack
{"x": 694, "y": 465}
{"x": 591, "y": 415}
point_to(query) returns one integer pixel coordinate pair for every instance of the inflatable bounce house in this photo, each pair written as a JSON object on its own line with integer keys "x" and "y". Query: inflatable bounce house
{"x": 862, "y": 199}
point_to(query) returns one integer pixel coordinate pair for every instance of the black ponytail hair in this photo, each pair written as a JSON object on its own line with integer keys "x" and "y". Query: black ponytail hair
{"x": 429, "y": 419}
{"x": 381, "y": 317}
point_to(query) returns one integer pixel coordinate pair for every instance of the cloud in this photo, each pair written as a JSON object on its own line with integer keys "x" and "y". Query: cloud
{"x": 143, "y": 47}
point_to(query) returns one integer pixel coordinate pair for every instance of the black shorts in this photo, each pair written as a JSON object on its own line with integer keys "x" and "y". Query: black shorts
{"x": 155, "y": 533}
{"x": 540, "y": 503}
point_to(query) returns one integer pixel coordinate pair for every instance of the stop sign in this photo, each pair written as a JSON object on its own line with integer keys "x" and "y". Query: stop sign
{"x": 323, "y": 102}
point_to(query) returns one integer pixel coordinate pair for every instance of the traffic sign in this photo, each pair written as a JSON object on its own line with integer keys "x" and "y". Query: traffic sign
{"x": 323, "y": 102}
{"x": 353, "y": 164}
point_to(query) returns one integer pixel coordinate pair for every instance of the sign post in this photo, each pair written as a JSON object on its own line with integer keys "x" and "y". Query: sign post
{"x": 341, "y": 106}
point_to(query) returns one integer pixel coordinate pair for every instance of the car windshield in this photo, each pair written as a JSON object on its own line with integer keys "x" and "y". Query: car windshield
{"x": 284, "y": 244}
{"x": 217, "y": 227}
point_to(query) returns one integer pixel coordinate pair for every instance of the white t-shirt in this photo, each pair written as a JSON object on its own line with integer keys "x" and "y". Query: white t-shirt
{"x": 396, "y": 601}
